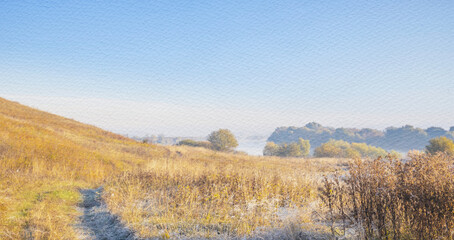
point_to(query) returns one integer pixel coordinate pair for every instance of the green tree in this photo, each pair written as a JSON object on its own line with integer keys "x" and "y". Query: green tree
{"x": 343, "y": 149}
{"x": 223, "y": 140}
{"x": 188, "y": 142}
{"x": 192, "y": 143}
{"x": 295, "y": 149}
{"x": 369, "y": 151}
{"x": 290, "y": 150}
{"x": 305, "y": 147}
{"x": 332, "y": 148}
{"x": 271, "y": 149}
{"x": 440, "y": 144}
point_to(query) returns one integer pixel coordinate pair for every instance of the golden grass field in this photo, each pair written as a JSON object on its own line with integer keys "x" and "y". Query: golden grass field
{"x": 157, "y": 191}
{"x": 47, "y": 162}
{"x": 198, "y": 192}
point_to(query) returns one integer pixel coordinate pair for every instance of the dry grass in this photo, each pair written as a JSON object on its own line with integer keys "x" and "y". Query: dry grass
{"x": 45, "y": 159}
{"x": 184, "y": 192}
{"x": 197, "y": 192}
{"x": 394, "y": 199}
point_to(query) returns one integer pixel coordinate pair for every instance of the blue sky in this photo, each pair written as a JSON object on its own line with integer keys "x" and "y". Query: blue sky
{"x": 188, "y": 67}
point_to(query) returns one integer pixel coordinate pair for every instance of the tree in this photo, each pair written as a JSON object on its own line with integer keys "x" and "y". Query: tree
{"x": 329, "y": 149}
{"x": 295, "y": 149}
{"x": 192, "y": 143}
{"x": 305, "y": 147}
{"x": 223, "y": 140}
{"x": 343, "y": 149}
{"x": 290, "y": 150}
{"x": 440, "y": 144}
{"x": 271, "y": 149}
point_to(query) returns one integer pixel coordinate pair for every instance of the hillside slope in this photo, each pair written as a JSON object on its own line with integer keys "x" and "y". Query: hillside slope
{"x": 45, "y": 159}
{"x": 48, "y": 162}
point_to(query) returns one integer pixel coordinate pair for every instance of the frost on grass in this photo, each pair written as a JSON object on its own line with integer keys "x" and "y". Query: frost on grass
{"x": 97, "y": 222}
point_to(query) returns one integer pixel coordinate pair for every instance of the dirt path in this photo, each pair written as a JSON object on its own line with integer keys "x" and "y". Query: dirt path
{"x": 97, "y": 222}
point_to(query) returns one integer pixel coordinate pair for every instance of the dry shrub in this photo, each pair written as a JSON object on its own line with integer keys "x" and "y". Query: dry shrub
{"x": 395, "y": 199}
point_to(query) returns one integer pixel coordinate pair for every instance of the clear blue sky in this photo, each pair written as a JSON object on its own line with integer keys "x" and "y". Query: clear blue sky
{"x": 189, "y": 67}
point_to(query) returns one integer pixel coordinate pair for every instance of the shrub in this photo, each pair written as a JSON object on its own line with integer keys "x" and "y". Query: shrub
{"x": 298, "y": 149}
{"x": 395, "y": 154}
{"x": 440, "y": 144}
{"x": 394, "y": 199}
{"x": 271, "y": 149}
{"x": 192, "y": 143}
{"x": 343, "y": 149}
{"x": 223, "y": 140}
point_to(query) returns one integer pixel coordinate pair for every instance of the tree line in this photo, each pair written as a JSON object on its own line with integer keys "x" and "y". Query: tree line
{"x": 342, "y": 149}
{"x": 401, "y": 139}
{"x": 224, "y": 140}
{"x": 220, "y": 140}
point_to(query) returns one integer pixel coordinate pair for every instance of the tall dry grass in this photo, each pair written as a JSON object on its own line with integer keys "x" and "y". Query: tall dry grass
{"x": 45, "y": 159}
{"x": 394, "y": 199}
{"x": 201, "y": 193}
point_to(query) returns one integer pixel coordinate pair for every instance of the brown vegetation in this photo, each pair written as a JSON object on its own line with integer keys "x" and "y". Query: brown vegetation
{"x": 210, "y": 194}
{"x": 45, "y": 159}
{"x": 394, "y": 199}
{"x": 195, "y": 192}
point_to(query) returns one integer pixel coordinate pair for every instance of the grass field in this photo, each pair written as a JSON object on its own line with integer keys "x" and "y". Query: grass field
{"x": 157, "y": 191}
{"x": 44, "y": 161}
{"x": 48, "y": 162}
{"x": 198, "y": 192}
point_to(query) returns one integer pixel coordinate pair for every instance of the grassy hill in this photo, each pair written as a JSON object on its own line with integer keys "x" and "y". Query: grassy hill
{"x": 45, "y": 160}
{"x": 52, "y": 167}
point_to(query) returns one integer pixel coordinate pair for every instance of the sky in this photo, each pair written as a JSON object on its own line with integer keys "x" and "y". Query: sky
{"x": 186, "y": 68}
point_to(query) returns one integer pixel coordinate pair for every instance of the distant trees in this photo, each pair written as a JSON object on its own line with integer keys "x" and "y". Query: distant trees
{"x": 271, "y": 149}
{"x": 304, "y": 147}
{"x": 192, "y": 143}
{"x": 296, "y": 149}
{"x": 222, "y": 140}
{"x": 343, "y": 149}
{"x": 440, "y": 144}
{"x": 402, "y": 139}
{"x": 332, "y": 148}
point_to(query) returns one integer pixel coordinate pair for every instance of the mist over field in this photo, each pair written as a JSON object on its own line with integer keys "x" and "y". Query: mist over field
{"x": 226, "y": 120}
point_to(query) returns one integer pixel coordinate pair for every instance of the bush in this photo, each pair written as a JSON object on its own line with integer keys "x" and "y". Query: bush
{"x": 343, "y": 149}
{"x": 192, "y": 143}
{"x": 271, "y": 149}
{"x": 440, "y": 144}
{"x": 298, "y": 149}
{"x": 395, "y": 154}
{"x": 336, "y": 148}
{"x": 222, "y": 140}
{"x": 394, "y": 199}
{"x": 368, "y": 151}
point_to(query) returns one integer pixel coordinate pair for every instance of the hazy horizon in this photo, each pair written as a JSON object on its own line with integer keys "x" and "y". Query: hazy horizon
{"x": 86, "y": 113}
{"x": 186, "y": 69}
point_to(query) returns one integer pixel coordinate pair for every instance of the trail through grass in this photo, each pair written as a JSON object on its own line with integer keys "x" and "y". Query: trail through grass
{"x": 96, "y": 221}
